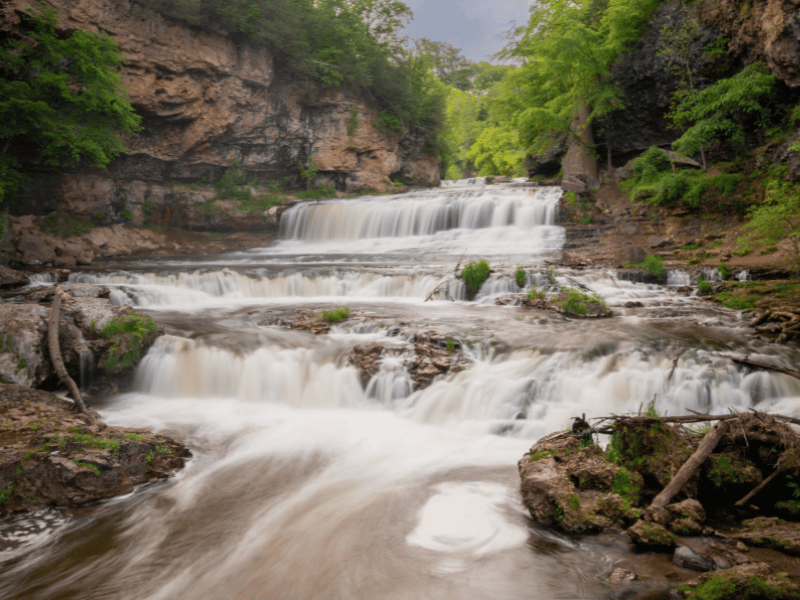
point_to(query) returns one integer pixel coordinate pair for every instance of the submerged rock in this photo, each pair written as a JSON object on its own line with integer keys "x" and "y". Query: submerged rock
{"x": 53, "y": 456}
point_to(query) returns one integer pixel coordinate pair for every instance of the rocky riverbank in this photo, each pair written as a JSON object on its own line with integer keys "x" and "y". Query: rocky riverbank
{"x": 704, "y": 500}
{"x": 53, "y": 456}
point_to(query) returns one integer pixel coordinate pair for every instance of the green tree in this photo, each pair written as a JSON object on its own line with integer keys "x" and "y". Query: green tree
{"x": 447, "y": 62}
{"x": 565, "y": 53}
{"x": 61, "y": 100}
{"x": 778, "y": 217}
{"x": 720, "y": 111}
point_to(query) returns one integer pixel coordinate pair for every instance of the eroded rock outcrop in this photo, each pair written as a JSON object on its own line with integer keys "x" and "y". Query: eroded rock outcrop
{"x": 52, "y": 456}
{"x": 87, "y": 346}
{"x": 206, "y": 100}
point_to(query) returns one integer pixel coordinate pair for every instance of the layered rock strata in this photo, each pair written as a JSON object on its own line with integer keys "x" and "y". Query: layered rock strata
{"x": 206, "y": 100}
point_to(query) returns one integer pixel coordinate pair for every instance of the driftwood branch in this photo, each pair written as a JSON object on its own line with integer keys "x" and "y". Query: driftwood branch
{"x": 759, "y": 487}
{"x": 445, "y": 282}
{"x": 705, "y": 448}
{"x": 55, "y": 353}
{"x": 759, "y": 365}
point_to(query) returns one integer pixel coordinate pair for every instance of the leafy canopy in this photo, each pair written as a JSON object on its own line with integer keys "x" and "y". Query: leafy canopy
{"x": 718, "y": 112}
{"x": 61, "y": 100}
{"x": 566, "y": 51}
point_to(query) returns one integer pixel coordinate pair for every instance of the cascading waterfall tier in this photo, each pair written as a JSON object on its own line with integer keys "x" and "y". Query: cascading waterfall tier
{"x": 475, "y": 216}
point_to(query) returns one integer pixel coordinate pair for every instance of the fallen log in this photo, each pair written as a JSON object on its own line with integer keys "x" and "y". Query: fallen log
{"x": 55, "y": 354}
{"x": 764, "y": 483}
{"x": 703, "y": 451}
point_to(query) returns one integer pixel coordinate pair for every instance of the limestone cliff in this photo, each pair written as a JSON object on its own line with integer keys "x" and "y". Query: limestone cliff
{"x": 205, "y": 100}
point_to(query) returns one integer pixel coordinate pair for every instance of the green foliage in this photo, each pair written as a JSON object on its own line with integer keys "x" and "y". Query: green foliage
{"x": 320, "y": 193}
{"x": 148, "y": 207}
{"x": 60, "y": 223}
{"x": 474, "y": 274}
{"x": 718, "y": 112}
{"x": 653, "y": 264}
{"x": 777, "y": 217}
{"x": 353, "y": 121}
{"x": 625, "y": 486}
{"x": 336, "y": 315}
{"x": 724, "y": 272}
{"x": 567, "y": 48}
{"x": 233, "y": 183}
{"x": 575, "y": 302}
{"x": 91, "y": 467}
{"x": 722, "y": 587}
{"x": 308, "y": 170}
{"x": 534, "y": 293}
{"x": 61, "y": 100}
{"x": 91, "y": 441}
{"x": 129, "y": 332}
{"x": 5, "y": 493}
{"x": 652, "y": 179}
{"x": 703, "y": 286}
{"x": 520, "y": 277}
{"x": 551, "y": 275}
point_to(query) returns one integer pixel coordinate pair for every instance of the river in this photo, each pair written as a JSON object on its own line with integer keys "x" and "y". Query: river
{"x": 306, "y": 483}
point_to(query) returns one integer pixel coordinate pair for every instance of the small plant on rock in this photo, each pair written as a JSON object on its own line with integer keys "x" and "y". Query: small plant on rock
{"x": 474, "y": 274}
{"x": 520, "y": 277}
{"x": 337, "y": 314}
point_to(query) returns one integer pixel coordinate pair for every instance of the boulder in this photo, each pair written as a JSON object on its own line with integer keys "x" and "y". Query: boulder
{"x": 570, "y": 488}
{"x": 23, "y": 336}
{"x": 34, "y": 250}
{"x": 686, "y": 558}
{"x": 770, "y": 532}
{"x": 650, "y": 535}
{"x": 52, "y": 456}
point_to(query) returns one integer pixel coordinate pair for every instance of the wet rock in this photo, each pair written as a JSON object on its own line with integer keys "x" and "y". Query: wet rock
{"x": 770, "y": 532}
{"x": 569, "y": 487}
{"x": 687, "y": 558}
{"x": 754, "y": 580}
{"x": 52, "y": 456}
{"x": 23, "y": 335}
{"x": 366, "y": 358}
{"x": 619, "y": 578}
{"x": 9, "y": 278}
{"x": 568, "y": 303}
{"x": 651, "y": 535}
{"x": 688, "y": 516}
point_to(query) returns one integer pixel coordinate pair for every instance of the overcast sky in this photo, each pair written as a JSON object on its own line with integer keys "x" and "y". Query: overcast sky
{"x": 475, "y": 26}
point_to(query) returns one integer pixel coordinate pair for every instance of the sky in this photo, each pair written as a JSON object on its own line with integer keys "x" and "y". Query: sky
{"x": 475, "y": 26}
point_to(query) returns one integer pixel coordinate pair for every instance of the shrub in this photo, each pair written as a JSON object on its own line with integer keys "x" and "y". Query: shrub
{"x": 520, "y": 276}
{"x": 534, "y": 293}
{"x": 233, "y": 183}
{"x": 336, "y": 315}
{"x": 474, "y": 274}
{"x": 130, "y": 331}
{"x": 724, "y": 272}
{"x": 703, "y": 286}
{"x": 655, "y": 265}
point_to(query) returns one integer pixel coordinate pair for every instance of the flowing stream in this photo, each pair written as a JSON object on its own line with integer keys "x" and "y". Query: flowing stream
{"x": 307, "y": 483}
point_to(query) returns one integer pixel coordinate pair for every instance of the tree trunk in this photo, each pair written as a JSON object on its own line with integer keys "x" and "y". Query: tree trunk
{"x": 55, "y": 354}
{"x": 705, "y": 448}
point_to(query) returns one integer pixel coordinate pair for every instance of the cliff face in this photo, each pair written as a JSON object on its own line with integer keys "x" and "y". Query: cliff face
{"x": 206, "y": 100}
{"x": 758, "y": 30}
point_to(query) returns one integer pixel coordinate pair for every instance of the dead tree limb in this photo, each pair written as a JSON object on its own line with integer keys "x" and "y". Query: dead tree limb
{"x": 759, "y": 365}
{"x": 705, "y": 448}
{"x": 759, "y": 487}
{"x": 55, "y": 353}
